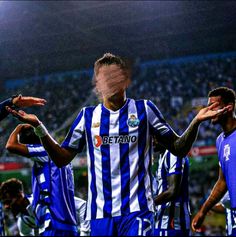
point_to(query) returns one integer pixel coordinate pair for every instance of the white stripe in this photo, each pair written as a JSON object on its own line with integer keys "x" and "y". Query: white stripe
{"x": 164, "y": 222}
{"x": 40, "y": 158}
{"x": 36, "y": 149}
{"x": 41, "y": 178}
{"x": 115, "y": 166}
{"x": 133, "y": 162}
{"x": 98, "y": 163}
{"x": 173, "y": 161}
{"x": 89, "y": 200}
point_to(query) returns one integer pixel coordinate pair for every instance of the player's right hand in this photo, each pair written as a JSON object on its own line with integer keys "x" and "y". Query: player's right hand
{"x": 197, "y": 221}
{"x": 24, "y": 117}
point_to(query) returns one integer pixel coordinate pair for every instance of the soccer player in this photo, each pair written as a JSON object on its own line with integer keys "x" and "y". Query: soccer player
{"x": 52, "y": 187}
{"x": 172, "y": 196}
{"x": 19, "y": 101}
{"x": 13, "y": 198}
{"x": 225, "y": 145}
{"x": 118, "y": 135}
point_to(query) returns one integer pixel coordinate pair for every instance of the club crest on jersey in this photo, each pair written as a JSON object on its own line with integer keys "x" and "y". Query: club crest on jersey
{"x": 133, "y": 121}
{"x": 226, "y": 152}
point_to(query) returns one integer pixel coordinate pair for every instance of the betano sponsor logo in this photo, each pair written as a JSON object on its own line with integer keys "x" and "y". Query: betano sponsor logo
{"x": 108, "y": 140}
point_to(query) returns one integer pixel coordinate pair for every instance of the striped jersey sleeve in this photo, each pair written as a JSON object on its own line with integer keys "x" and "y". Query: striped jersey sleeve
{"x": 37, "y": 153}
{"x": 75, "y": 138}
{"x": 159, "y": 126}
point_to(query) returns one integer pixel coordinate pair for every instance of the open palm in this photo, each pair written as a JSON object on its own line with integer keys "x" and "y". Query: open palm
{"x": 24, "y": 117}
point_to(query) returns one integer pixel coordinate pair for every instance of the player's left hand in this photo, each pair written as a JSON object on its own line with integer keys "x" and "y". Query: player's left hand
{"x": 26, "y": 101}
{"x": 210, "y": 112}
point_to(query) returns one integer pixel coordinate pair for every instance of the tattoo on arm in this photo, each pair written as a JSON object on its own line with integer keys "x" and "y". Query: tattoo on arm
{"x": 183, "y": 143}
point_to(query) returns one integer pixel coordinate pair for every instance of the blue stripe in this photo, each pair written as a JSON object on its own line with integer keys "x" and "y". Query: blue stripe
{"x": 124, "y": 161}
{"x": 178, "y": 167}
{"x": 168, "y": 160}
{"x": 156, "y": 111}
{"x": 69, "y": 135}
{"x": 142, "y": 132}
{"x": 88, "y": 126}
{"x": 106, "y": 171}
{"x": 38, "y": 153}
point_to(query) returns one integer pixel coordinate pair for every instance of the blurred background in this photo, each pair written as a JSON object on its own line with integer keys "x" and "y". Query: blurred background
{"x": 179, "y": 50}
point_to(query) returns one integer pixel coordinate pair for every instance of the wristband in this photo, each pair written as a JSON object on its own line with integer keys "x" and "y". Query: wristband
{"x": 41, "y": 130}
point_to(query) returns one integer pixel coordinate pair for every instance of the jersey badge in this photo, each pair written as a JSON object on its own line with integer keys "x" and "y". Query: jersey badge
{"x": 133, "y": 121}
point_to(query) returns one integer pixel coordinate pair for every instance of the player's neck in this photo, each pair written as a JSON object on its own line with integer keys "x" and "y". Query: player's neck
{"x": 229, "y": 125}
{"x": 115, "y": 102}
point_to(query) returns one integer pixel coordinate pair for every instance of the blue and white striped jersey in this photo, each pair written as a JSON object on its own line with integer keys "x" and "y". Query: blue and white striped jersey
{"x": 53, "y": 190}
{"x": 226, "y": 154}
{"x": 174, "y": 214}
{"x": 119, "y": 151}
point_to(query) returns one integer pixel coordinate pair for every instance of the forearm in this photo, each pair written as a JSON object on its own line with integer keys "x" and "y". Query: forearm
{"x": 59, "y": 155}
{"x": 55, "y": 151}
{"x": 216, "y": 194}
{"x": 12, "y": 141}
{"x": 183, "y": 144}
{"x": 164, "y": 197}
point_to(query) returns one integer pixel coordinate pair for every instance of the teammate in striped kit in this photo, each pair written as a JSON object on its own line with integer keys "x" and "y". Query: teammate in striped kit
{"x": 118, "y": 136}
{"x": 172, "y": 195}
{"x": 225, "y": 145}
{"x": 16, "y": 101}
{"x": 52, "y": 187}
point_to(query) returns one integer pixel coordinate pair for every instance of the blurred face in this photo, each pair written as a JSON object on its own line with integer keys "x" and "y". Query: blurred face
{"x": 111, "y": 80}
{"x": 12, "y": 203}
{"x": 219, "y": 118}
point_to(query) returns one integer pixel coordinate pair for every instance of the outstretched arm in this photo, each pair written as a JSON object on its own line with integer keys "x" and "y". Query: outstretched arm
{"x": 217, "y": 193}
{"x": 19, "y": 101}
{"x": 60, "y": 156}
{"x": 180, "y": 145}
